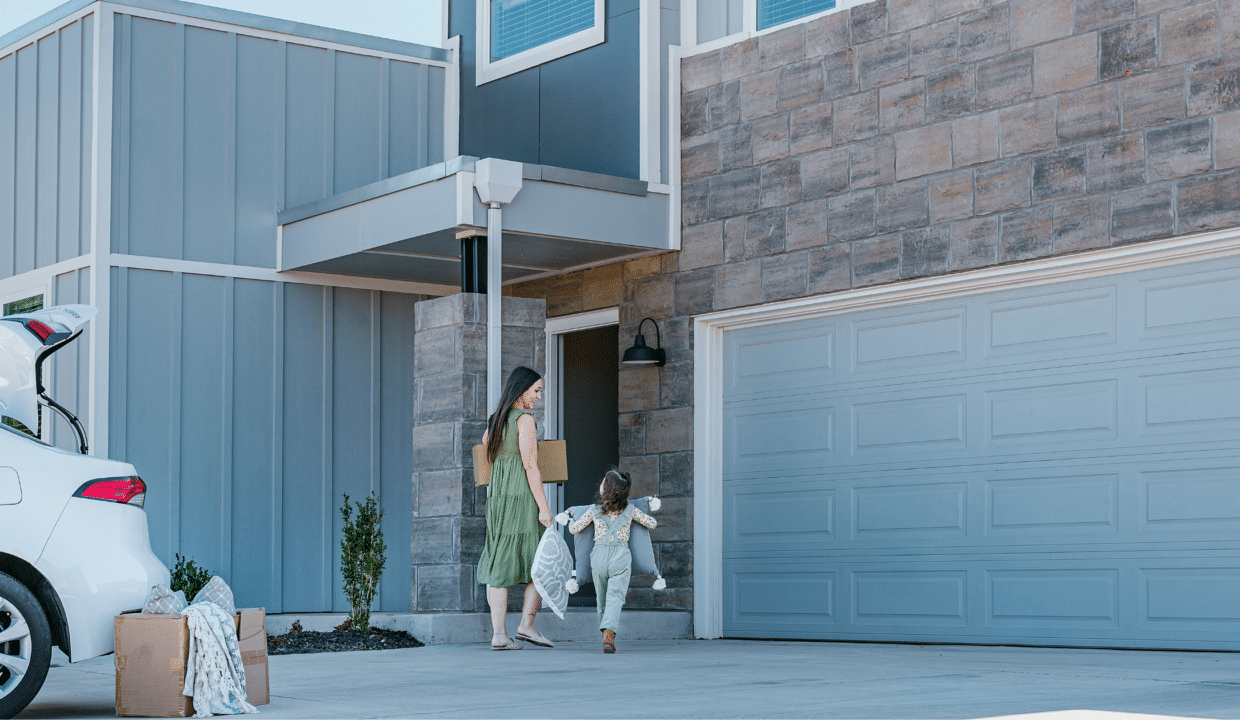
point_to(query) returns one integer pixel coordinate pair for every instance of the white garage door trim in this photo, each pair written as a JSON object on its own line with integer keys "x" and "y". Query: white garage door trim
{"x": 708, "y": 365}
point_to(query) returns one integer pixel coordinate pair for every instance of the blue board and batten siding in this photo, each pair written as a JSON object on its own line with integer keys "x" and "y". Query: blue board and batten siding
{"x": 215, "y": 132}
{"x": 249, "y": 407}
{"x": 46, "y": 101}
{"x": 1055, "y": 464}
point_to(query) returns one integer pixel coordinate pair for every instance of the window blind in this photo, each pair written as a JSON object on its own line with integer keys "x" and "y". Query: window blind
{"x": 778, "y": 12}
{"x": 520, "y": 25}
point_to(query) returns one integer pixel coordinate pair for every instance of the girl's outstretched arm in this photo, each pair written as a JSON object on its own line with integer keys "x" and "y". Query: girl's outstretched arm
{"x": 644, "y": 519}
{"x": 581, "y": 524}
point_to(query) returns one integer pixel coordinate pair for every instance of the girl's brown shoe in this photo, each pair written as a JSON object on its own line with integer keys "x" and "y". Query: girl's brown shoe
{"x": 609, "y": 641}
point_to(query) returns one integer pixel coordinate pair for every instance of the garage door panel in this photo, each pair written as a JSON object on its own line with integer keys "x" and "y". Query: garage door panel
{"x": 775, "y": 599}
{"x": 1190, "y": 500}
{"x": 1052, "y": 505}
{"x": 909, "y": 341}
{"x": 1204, "y": 598}
{"x": 800, "y": 352}
{"x": 779, "y": 435}
{"x": 1193, "y": 400}
{"x": 1053, "y": 599}
{"x": 1056, "y": 411}
{"x": 922, "y": 598}
{"x": 912, "y": 426}
{"x": 1052, "y": 322}
{"x": 1191, "y": 303}
{"x": 907, "y": 511}
{"x": 779, "y": 517}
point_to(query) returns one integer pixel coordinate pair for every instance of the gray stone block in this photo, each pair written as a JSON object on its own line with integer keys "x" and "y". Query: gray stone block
{"x": 1115, "y": 163}
{"x": 675, "y": 387}
{"x": 824, "y": 173}
{"x": 810, "y": 129}
{"x": 901, "y": 206}
{"x": 676, "y": 474}
{"x": 444, "y": 493}
{"x": 735, "y": 193}
{"x": 1155, "y": 98}
{"x": 445, "y": 588}
{"x": 782, "y": 47}
{"x": 438, "y": 312}
{"x": 830, "y": 269}
{"x": 670, "y": 430}
{"x": 856, "y": 117}
{"x": 473, "y": 348}
{"x": 932, "y": 48}
{"x": 1214, "y": 86}
{"x": 444, "y": 398}
{"x": 905, "y": 15}
{"x": 851, "y": 216}
{"x": 1027, "y": 128}
{"x": 694, "y": 208}
{"x": 1144, "y": 213}
{"x": 872, "y": 162}
{"x": 1189, "y": 34}
{"x": 759, "y": 95}
{"x": 523, "y": 312}
{"x": 699, "y": 71}
{"x": 699, "y": 156}
{"x": 632, "y": 433}
{"x": 924, "y": 151}
{"x": 676, "y": 515}
{"x": 433, "y": 541}
{"x": 564, "y": 291}
{"x": 1088, "y": 114}
{"x": 738, "y": 284}
{"x": 974, "y": 243}
{"x": 902, "y": 106}
{"x": 644, "y": 473}
{"x": 924, "y": 251}
{"x": 800, "y": 84}
{"x": 1059, "y": 174}
{"x": 1208, "y": 203}
{"x": 701, "y": 246}
{"x": 1026, "y": 234}
{"x": 472, "y": 535}
{"x": 734, "y": 239}
{"x": 639, "y": 388}
{"x": 1229, "y": 25}
{"x": 984, "y": 33}
{"x": 784, "y": 276}
{"x": 876, "y": 260}
{"x": 1082, "y": 225}
{"x": 826, "y": 34}
{"x": 676, "y": 563}
{"x": 839, "y": 73}
{"x": 770, "y": 138}
{"x": 950, "y": 94}
{"x": 1094, "y": 14}
{"x": 724, "y": 105}
{"x": 735, "y": 147}
{"x": 693, "y": 291}
{"x": 695, "y": 113}
{"x": 739, "y": 60}
{"x": 654, "y": 297}
{"x": 806, "y": 225}
{"x": 869, "y": 21}
{"x": 1179, "y": 150}
{"x": 1065, "y": 65}
{"x": 950, "y": 195}
{"x": 781, "y": 183}
{"x": 1002, "y": 185}
{"x": 1038, "y": 21}
{"x": 952, "y": 8}
{"x": 765, "y": 233}
{"x": 975, "y": 139}
{"x": 1227, "y": 141}
{"x": 1005, "y": 80}
{"x": 434, "y": 447}
{"x": 1129, "y": 48}
{"x": 883, "y": 62}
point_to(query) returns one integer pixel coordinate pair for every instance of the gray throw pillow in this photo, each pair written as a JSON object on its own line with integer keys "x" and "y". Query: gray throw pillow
{"x": 163, "y": 601}
{"x": 639, "y": 544}
{"x": 217, "y": 591}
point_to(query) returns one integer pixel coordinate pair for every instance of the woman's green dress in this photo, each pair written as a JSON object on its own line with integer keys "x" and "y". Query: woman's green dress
{"x": 513, "y": 529}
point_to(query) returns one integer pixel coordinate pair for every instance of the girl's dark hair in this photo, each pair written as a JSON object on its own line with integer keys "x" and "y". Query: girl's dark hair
{"x": 519, "y": 380}
{"x": 613, "y": 497}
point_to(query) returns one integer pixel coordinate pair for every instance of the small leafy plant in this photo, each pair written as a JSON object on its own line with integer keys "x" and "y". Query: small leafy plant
{"x": 361, "y": 558}
{"x": 189, "y": 577}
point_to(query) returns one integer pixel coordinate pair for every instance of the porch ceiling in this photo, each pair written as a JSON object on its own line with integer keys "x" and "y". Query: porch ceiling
{"x": 405, "y": 228}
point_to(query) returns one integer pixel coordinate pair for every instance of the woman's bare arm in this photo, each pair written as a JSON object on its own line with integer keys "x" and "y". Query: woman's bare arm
{"x": 527, "y": 441}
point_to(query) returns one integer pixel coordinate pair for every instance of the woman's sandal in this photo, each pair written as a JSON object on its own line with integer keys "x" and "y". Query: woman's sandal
{"x": 609, "y": 641}
{"x": 511, "y": 645}
{"x": 540, "y": 641}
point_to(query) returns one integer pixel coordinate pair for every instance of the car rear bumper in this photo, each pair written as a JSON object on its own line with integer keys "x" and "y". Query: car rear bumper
{"x": 99, "y": 560}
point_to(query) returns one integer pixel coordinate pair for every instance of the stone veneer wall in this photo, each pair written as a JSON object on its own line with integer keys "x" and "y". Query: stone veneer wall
{"x": 910, "y": 138}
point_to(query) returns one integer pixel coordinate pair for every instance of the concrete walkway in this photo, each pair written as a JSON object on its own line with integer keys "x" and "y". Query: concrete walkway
{"x": 715, "y": 679}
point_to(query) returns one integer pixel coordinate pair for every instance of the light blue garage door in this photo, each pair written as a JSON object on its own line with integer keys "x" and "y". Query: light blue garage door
{"x": 1049, "y": 465}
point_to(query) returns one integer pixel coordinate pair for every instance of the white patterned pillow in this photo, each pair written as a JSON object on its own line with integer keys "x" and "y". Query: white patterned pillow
{"x": 552, "y": 568}
{"x": 217, "y": 591}
{"x": 162, "y": 601}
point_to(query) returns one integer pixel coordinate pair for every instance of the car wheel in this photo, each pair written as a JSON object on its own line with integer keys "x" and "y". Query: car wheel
{"x": 25, "y": 646}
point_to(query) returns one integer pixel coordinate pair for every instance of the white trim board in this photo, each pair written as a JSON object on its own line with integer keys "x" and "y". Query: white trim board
{"x": 708, "y": 335}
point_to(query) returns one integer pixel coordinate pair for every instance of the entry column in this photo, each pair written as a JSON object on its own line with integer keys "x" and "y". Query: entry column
{"x": 450, "y": 413}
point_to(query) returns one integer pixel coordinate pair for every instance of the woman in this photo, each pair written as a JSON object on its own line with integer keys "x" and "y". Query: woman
{"x": 516, "y": 507}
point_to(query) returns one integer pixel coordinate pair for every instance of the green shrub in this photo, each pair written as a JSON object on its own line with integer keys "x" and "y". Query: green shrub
{"x": 189, "y": 577}
{"x": 361, "y": 558}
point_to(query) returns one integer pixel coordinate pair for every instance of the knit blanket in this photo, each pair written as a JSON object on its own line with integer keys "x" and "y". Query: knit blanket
{"x": 214, "y": 675}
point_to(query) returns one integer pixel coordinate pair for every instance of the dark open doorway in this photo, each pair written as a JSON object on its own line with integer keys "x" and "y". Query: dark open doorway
{"x": 591, "y": 417}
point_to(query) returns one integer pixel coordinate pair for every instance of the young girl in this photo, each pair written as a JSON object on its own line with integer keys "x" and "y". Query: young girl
{"x": 610, "y": 561}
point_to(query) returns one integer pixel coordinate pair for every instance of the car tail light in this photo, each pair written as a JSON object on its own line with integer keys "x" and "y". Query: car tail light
{"x": 46, "y": 334}
{"x": 123, "y": 490}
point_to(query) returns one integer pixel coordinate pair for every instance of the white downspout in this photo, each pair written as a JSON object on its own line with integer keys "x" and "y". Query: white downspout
{"x": 497, "y": 183}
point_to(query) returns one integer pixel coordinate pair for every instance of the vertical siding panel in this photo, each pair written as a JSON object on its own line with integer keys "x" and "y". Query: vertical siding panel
{"x": 47, "y": 136}
{"x": 282, "y": 89}
{"x": 352, "y": 383}
{"x": 357, "y": 123}
{"x": 305, "y": 587}
{"x": 305, "y": 122}
{"x": 396, "y": 411}
{"x": 254, "y": 473}
{"x": 86, "y": 141}
{"x": 276, "y": 516}
{"x": 230, "y": 152}
{"x": 155, "y": 140}
{"x": 8, "y": 162}
{"x": 70, "y": 182}
{"x": 118, "y": 379}
{"x": 201, "y": 390}
{"x": 150, "y": 411}
{"x": 208, "y": 107}
{"x": 175, "y": 408}
{"x": 434, "y": 115}
{"x": 385, "y": 117}
{"x": 227, "y": 507}
{"x": 121, "y": 132}
{"x": 82, "y": 381}
{"x": 27, "y": 122}
{"x": 327, "y": 412}
{"x": 407, "y": 122}
{"x": 257, "y": 158}
{"x": 329, "y": 125}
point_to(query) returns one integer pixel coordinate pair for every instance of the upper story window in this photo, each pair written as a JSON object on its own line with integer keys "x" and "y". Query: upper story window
{"x": 723, "y": 22}
{"x": 516, "y": 35}
{"x": 778, "y": 12}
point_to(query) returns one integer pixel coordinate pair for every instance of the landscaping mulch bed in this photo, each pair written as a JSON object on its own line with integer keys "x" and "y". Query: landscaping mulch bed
{"x": 308, "y": 641}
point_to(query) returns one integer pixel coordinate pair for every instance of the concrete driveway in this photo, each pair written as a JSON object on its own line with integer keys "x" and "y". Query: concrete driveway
{"x": 715, "y": 679}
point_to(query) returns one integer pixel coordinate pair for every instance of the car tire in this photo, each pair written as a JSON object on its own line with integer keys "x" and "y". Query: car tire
{"x": 25, "y": 639}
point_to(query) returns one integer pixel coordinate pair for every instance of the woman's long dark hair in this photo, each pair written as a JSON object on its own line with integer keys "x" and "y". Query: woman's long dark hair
{"x": 519, "y": 380}
{"x": 613, "y": 497}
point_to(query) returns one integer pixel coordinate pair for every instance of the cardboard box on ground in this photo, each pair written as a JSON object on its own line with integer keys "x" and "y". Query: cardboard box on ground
{"x": 151, "y": 655}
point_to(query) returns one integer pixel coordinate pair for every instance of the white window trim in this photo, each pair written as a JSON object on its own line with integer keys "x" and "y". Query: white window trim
{"x": 487, "y": 70}
{"x": 688, "y": 27}
{"x": 708, "y": 347}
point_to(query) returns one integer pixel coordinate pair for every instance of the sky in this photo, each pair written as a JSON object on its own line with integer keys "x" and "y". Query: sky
{"x": 409, "y": 20}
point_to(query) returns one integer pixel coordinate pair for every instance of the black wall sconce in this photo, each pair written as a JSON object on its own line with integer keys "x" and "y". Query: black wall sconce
{"x": 642, "y": 354}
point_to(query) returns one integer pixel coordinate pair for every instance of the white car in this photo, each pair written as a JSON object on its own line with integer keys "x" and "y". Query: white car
{"x": 74, "y": 545}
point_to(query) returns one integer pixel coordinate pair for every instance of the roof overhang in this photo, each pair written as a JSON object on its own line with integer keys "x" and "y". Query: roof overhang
{"x": 407, "y": 227}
